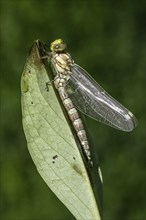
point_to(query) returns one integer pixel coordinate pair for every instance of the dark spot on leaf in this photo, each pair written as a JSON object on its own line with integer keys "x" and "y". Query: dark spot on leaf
{"x": 29, "y": 71}
{"x": 74, "y": 158}
{"x": 31, "y": 102}
{"x": 54, "y": 157}
{"x": 47, "y": 87}
{"x": 77, "y": 169}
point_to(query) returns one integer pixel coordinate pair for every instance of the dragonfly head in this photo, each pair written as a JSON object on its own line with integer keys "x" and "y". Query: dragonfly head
{"x": 58, "y": 46}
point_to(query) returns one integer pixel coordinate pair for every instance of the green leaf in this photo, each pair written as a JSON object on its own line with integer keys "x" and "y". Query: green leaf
{"x": 51, "y": 142}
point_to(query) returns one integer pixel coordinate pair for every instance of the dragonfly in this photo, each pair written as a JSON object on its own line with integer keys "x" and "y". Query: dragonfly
{"x": 80, "y": 92}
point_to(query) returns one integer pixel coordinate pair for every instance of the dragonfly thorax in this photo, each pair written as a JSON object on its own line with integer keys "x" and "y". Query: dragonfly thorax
{"x": 62, "y": 63}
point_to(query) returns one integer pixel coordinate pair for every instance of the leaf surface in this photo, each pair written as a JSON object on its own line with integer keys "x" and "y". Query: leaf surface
{"x": 51, "y": 142}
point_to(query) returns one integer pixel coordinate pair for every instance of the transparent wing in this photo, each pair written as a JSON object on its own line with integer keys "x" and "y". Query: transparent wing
{"x": 90, "y": 98}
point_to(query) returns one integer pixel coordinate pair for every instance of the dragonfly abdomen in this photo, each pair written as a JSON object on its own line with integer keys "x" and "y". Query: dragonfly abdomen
{"x": 76, "y": 121}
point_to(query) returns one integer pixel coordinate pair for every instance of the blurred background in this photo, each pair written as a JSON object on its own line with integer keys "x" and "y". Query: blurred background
{"x": 107, "y": 39}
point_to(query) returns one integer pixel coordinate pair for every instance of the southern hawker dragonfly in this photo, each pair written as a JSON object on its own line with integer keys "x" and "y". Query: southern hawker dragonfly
{"x": 79, "y": 91}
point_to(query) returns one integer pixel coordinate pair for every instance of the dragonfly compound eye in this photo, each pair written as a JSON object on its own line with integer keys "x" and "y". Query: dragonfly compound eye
{"x": 58, "y": 46}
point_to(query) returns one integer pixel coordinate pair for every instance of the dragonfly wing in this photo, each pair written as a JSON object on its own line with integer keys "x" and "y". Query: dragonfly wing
{"x": 91, "y": 99}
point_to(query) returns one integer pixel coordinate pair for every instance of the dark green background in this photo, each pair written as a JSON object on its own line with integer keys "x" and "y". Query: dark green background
{"x": 107, "y": 39}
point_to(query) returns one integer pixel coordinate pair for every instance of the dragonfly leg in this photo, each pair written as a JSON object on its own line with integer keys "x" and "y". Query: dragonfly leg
{"x": 49, "y": 84}
{"x": 42, "y": 52}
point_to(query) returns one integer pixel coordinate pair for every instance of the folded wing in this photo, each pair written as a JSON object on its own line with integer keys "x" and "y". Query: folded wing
{"x": 91, "y": 99}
